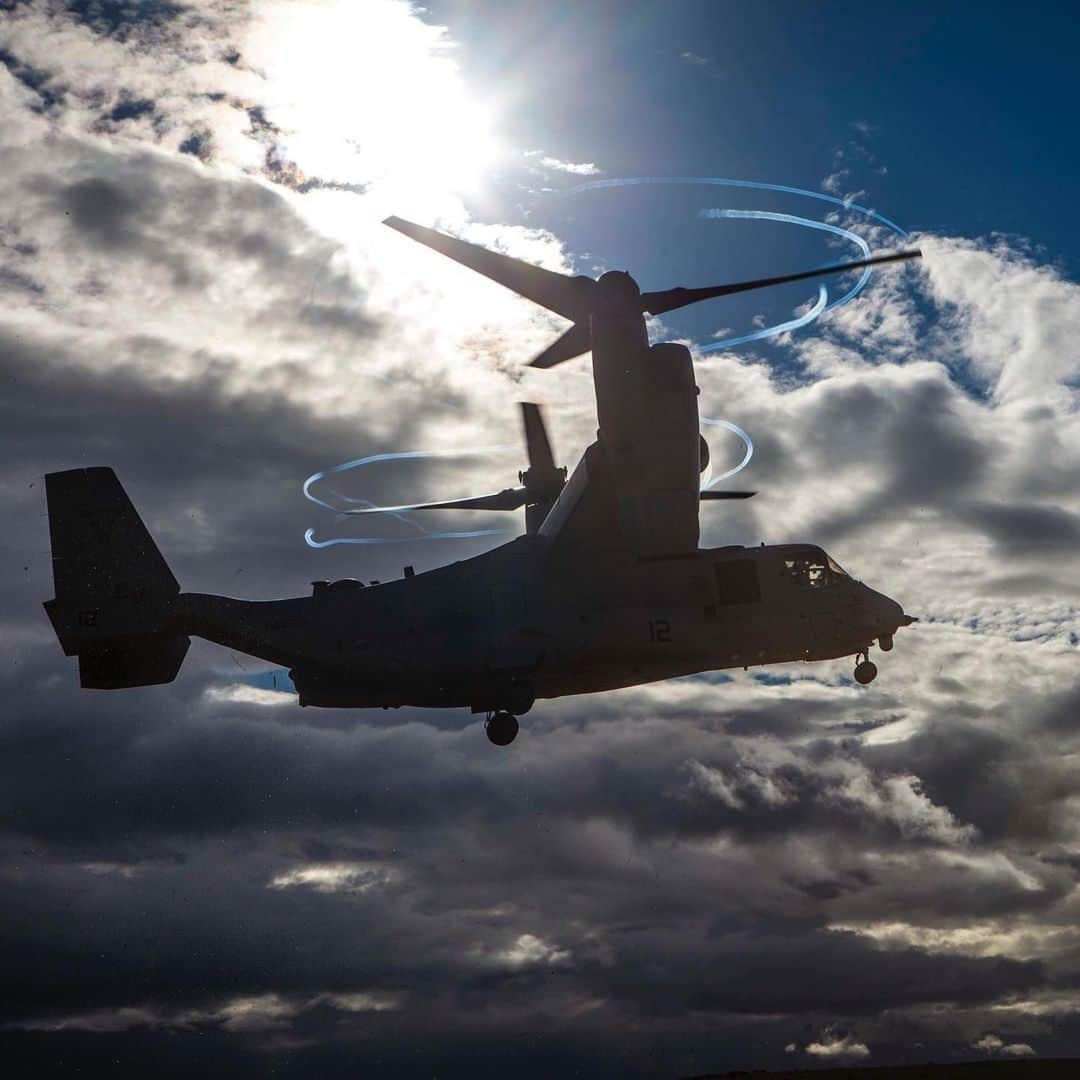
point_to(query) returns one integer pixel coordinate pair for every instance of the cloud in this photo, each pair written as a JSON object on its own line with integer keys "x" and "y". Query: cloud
{"x": 582, "y": 168}
{"x": 834, "y": 1046}
{"x": 335, "y": 877}
{"x": 993, "y": 1044}
{"x": 250, "y": 695}
{"x": 528, "y": 950}
{"x": 242, "y": 1015}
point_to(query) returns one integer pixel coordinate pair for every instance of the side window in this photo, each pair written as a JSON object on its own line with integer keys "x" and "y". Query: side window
{"x": 737, "y": 582}
{"x": 807, "y": 573}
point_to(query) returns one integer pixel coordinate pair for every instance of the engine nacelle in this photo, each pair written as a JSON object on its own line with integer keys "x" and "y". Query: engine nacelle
{"x": 672, "y": 444}
{"x": 664, "y": 455}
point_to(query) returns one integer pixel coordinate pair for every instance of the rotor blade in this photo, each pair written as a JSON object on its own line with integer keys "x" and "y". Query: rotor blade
{"x": 657, "y": 303}
{"x": 507, "y": 499}
{"x": 566, "y": 296}
{"x": 708, "y": 496}
{"x": 574, "y": 342}
{"x": 537, "y": 443}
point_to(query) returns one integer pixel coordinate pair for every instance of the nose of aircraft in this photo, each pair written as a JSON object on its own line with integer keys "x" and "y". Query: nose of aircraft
{"x": 886, "y": 616}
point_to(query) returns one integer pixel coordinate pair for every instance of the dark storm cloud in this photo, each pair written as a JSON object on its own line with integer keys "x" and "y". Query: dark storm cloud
{"x": 216, "y": 928}
{"x": 238, "y": 464}
{"x": 1002, "y": 773}
{"x": 105, "y": 211}
{"x": 1020, "y": 528}
{"x": 925, "y": 453}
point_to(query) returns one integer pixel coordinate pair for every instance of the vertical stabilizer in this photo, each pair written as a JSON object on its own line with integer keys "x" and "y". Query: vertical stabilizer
{"x": 114, "y": 591}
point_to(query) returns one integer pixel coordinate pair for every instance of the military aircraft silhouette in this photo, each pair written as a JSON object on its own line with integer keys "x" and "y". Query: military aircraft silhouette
{"x": 606, "y": 589}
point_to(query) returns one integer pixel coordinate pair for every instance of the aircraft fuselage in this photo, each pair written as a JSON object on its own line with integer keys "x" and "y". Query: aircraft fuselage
{"x": 506, "y": 627}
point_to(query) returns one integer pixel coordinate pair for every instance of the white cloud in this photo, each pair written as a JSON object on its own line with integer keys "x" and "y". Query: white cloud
{"x": 1016, "y": 322}
{"x": 832, "y": 1045}
{"x": 577, "y": 168}
{"x": 768, "y": 776}
{"x": 363, "y": 1001}
{"x": 109, "y": 869}
{"x": 994, "y": 1044}
{"x": 99, "y": 1021}
{"x": 265, "y": 1012}
{"x": 528, "y": 950}
{"x": 241, "y": 694}
{"x": 834, "y": 182}
{"x": 254, "y": 1014}
{"x": 992, "y": 937}
{"x": 339, "y": 877}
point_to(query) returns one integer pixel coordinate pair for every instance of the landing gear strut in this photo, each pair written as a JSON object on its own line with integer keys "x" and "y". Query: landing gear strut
{"x": 865, "y": 669}
{"x": 501, "y": 727}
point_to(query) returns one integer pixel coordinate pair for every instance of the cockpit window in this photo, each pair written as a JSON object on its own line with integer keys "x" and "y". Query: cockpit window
{"x": 836, "y": 568}
{"x": 808, "y": 571}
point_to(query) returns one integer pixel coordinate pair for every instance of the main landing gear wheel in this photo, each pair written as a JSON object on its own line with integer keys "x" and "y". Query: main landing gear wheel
{"x": 501, "y": 727}
{"x": 866, "y": 671}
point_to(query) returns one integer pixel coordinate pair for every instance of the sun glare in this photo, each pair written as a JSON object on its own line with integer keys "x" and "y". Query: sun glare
{"x": 369, "y": 94}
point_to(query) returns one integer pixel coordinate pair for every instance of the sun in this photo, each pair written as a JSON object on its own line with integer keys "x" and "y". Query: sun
{"x": 369, "y": 94}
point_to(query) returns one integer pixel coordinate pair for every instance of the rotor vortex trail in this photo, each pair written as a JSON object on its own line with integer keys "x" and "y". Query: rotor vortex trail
{"x": 712, "y": 481}
{"x": 396, "y": 512}
{"x": 309, "y": 537}
{"x": 822, "y": 305}
{"x": 758, "y": 185}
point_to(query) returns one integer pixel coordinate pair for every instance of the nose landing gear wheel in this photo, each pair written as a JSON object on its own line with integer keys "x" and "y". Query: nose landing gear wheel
{"x": 865, "y": 672}
{"x": 501, "y": 727}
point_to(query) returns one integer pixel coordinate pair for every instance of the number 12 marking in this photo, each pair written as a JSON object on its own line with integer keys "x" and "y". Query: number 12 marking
{"x": 659, "y": 630}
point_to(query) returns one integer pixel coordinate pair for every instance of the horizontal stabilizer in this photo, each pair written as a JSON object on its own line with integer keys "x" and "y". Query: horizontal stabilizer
{"x": 708, "y": 496}
{"x": 122, "y": 664}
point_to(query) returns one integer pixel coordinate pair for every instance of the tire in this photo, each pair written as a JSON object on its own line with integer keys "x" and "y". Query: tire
{"x": 865, "y": 672}
{"x": 502, "y": 728}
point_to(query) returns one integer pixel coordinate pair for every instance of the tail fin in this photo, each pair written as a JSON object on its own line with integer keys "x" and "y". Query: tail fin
{"x": 114, "y": 591}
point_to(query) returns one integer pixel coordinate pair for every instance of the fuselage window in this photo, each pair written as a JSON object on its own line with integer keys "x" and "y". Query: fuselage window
{"x": 737, "y": 582}
{"x": 807, "y": 573}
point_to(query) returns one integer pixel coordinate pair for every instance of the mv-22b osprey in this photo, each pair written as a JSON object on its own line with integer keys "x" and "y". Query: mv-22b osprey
{"x": 607, "y": 588}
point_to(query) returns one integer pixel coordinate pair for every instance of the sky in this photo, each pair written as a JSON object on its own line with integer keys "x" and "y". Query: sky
{"x": 760, "y": 869}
